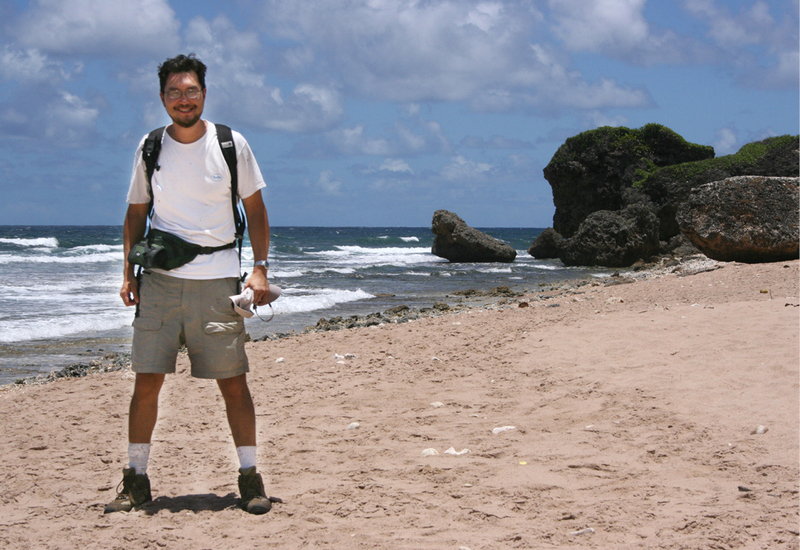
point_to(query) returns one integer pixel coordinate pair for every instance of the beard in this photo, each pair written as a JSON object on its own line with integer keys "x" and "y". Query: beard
{"x": 186, "y": 122}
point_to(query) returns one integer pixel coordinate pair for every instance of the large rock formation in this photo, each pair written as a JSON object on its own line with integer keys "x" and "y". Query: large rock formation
{"x": 594, "y": 170}
{"x": 457, "y": 242}
{"x": 670, "y": 186}
{"x": 613, "y": 239}
{"x": 745, "y": 219}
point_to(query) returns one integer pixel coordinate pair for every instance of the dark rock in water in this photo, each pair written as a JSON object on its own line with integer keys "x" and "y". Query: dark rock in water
{"x": 667, "y": 188}
{"x": 594, "y": 170}
{"x": 457, "y": 242}
{"x": 546, "y": 245}
{"x": 613, "y": 239}
{"x": 744, "y": 219}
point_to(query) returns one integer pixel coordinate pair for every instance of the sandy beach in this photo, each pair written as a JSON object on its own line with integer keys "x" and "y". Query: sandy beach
{"x": 633, "y": 409}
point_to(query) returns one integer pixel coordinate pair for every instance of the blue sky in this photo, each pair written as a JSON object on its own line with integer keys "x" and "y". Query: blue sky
{"x": 379, "y": 112}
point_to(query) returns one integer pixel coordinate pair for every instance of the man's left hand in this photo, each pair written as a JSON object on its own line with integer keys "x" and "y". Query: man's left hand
{"x": 260, "y": 285}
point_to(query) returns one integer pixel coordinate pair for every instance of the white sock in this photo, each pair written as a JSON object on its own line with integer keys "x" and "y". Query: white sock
{"x": 138, "y": 456}
{"x": 247, "y": 457}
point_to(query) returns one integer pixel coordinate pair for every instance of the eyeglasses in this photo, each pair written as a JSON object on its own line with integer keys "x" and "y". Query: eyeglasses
{"x": 191, "y": 93}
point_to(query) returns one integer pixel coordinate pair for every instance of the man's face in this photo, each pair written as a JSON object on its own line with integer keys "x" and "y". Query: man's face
{"x": 183, "y": 111}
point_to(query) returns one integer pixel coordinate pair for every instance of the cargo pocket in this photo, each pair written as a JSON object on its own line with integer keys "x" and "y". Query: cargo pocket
{"x": 223, "y": 327}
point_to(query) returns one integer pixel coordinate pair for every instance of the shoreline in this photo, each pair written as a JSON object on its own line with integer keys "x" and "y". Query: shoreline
{"x": 496, "y": 298}
{"x": 611, "y": 416}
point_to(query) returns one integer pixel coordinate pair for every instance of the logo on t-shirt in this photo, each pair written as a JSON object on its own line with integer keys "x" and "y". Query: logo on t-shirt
{"x": 216, "y": 177}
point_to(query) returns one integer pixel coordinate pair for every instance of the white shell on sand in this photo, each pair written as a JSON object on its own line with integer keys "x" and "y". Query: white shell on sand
{"x": 452, "y": 451}
{"x": 353, "y": 426}
{"x": 760, "y": 430}
{"x": 587, "y": 531}
{"x": 437, "y": 404}
{"x": 280, "y": 360}
{"x": 430, "y": 452}
{"x": 503, "y": 429}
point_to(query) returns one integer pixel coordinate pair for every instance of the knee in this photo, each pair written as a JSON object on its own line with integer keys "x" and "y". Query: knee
{"x": 234, "y": 388}
{"x": 147, "y": 386}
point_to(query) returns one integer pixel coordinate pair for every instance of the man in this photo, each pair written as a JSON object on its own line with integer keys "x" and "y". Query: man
{"x": 190, "y": 304}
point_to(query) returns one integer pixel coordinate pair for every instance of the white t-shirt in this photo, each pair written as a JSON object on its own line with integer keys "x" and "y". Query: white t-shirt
{"x": 192, "y": 191}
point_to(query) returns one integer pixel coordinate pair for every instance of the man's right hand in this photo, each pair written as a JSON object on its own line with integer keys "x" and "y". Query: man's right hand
{"x": 130, "y": 292}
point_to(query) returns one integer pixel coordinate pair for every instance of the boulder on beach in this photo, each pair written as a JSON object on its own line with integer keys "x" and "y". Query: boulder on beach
{"x": 613, "y": 239}
{"x": 457, "y": 242}
{"x": 667, "y": 188}
{"x": 546, "y": 245}
{"x": 748, "y": 219}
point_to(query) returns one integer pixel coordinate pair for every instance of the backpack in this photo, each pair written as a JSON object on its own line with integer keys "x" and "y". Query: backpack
{"x": 151, "y": 150}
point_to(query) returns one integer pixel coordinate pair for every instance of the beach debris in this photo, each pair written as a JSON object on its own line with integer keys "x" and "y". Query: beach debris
{"x": 587, "y": 531}
{"x": 437, "y": 404}
{"x": 280, "y": 360}
{"x": 503, "y": 429}
{"x": 353, "y": 426}
{"x": 430, "y": 452}
{"x": 744, "y": 489}
{"x": 434, "y": 358}
{"x": 337, "y": 356}
{"x": 350, "y": 356}
{"x": 759, "y": 430}
{"x": 452, "y": 451}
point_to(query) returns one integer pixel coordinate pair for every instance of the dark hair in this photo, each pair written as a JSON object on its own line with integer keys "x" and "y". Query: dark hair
{"x": 182, "y": 64}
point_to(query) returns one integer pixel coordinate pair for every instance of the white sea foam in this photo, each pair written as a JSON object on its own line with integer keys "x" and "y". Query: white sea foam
{"x": 48, "y": 242}
{"x": 357, "y": 255}
{"x": 83, "y": 259}
{"x": 293, "y": 301}
{"x": 49, "y": 327}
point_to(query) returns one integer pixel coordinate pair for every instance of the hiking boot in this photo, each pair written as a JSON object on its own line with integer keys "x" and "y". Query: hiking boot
{"x": 251, "y": 487}
{"x": 135, "y": 492}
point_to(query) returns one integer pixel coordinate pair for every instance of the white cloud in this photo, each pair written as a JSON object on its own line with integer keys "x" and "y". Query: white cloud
{"x": 495, "y": 142}
{"x": 759, "y": 46}
{"x": 476, "y": 52}
{"x": 29, "y": 66}
{"x": 99, "y": 27}
{"x": 329, "y": 184}
{"x": 238, "y": 89}
{"x": 599, "y": 24}
{"x": 461, "y": 169}
{"x": 396, "y": 165}
{"x": 68, "y": 122}
{"x": 726, "y": 141}
{"x": 407, "y": 137}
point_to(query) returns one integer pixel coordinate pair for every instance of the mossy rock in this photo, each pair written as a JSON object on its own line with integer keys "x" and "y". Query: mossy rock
{"x": 593, "y": 170}
{"x": 670, "y": 186}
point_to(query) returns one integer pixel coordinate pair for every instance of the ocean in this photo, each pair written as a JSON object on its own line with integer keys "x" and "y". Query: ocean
{"x": 59, "y": 285}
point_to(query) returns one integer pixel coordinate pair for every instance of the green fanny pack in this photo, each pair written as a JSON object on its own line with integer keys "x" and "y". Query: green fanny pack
{"x": 164, "y": 250}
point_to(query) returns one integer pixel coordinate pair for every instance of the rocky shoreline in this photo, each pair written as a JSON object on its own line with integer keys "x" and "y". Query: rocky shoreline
{"x": 500, "y": 297}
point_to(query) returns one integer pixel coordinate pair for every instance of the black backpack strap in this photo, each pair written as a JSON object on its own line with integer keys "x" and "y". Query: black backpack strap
{"x": 150, "y": 152}
{"x": 225, "y": 137}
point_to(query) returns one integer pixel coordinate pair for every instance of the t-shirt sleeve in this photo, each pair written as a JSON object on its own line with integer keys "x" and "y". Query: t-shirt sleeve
{"x": 137, "y": 191}
{"x": 249, "y": 175}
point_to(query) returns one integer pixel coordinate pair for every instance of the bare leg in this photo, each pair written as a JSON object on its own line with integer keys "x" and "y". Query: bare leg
{"x": 240, "y": 410}
{"x": 144, "y": 407}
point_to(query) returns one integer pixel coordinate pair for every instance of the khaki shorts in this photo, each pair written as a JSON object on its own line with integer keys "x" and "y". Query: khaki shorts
{"x": 173, "y": 312}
